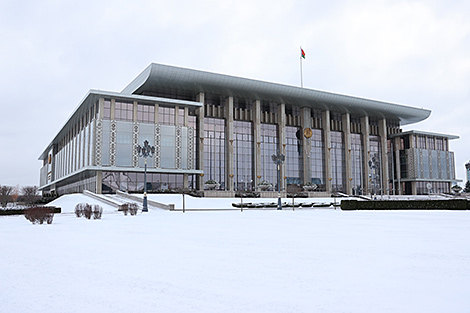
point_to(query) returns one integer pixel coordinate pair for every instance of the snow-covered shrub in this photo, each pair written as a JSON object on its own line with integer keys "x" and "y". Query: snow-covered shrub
{"x": 97, "y": 212}
{"x": 124, "y": 208}
{"x": 39, "y": 215}
{"x": 129, "y": 207}
{"x": 87, "y": 211}
{"x": 211, "y": 184}
{"x": 79, "y": 209}
{"x": 133, "y": 208}
{"x": 265, "y": 185}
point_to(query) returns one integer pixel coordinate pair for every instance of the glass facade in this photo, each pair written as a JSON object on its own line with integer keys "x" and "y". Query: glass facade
{"x": 375, "y": 165}
{"x": 337, "y": 161}
{"x": 145, "y": 113}
{"x": 357, "y": 164}
{"x": 294, "y": 156}
{"x": 134, "y": 181}
{"x": 166, "y": 116}
{"x": 317, "y": 159}
{"x": 268, "y": 146}
{"x": 243, "y": 149}
{"x": 214, "y": 150}
{"x": 124, "y": 111}
{"x": 432, "y": 164}
{"x": 421, "y": 142}
{"x": 124, "y": 144}
{"x": 105, "y": 143}
{"x": 127, "y": 123}
{"x": 436, "y": 187}
{"x": 83, "y": 182}
{"x": 107, "y": 109}
{"x": 168, "y": 147}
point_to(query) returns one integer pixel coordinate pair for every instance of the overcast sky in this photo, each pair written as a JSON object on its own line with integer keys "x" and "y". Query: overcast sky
{"x": 52, "y": 52}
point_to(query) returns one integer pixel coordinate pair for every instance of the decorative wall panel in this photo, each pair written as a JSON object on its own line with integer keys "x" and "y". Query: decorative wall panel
{"x": 135, "y": 143}
{"x": 178, "y": 146}
{"x": 112, "y": 143}
{"x": 411, "y": 163}
{"x": 190, "y": 148}
{"x": 158, "y": 152}
{"x": 97, "y": 160}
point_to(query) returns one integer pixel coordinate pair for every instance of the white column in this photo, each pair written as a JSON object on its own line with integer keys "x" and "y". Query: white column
{"x": 366, "y": 142}
{"x": 257, "y": 141}
{"x": 281, "y": 122}
{"x": 229, "y": 143}
{"x": 200, "y": 138}
{"x": 326, "y": 125}
{"x": 306, "y": 122}
{"x": 186, "y": 123}
{"x": 397, "y": 147}
{"x": 346, "y": 121}
{"x": 384, "y": 156}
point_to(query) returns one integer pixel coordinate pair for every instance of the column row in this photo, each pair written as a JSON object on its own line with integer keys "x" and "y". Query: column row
{"x": 350, "y": 163}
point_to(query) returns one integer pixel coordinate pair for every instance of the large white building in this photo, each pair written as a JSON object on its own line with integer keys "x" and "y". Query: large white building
{"x": 207, "y": 126}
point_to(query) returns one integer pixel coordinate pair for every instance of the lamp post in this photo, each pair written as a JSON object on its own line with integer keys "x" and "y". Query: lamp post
{"x": 145, "y": 152}
{"x": 278, "y": 159}
{"x": 372, "y": 174}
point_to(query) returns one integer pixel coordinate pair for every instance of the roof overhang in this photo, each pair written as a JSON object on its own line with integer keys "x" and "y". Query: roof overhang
{"x": 158, "y": 76}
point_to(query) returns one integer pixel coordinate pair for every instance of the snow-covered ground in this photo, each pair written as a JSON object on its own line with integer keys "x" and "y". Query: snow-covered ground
{"x": 310, "y": 260}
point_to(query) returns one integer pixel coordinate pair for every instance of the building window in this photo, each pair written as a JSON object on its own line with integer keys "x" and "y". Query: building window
{"x": 214, "y": 150}
{"x": 124, "y": 111}
{"x": 317, "y": 159}
{"x": 166, "y": 116}
{"x": 145, "y": 113}
{"x": 430, "y": 143}
{"x": 134, "y": 182}
{"x": 107, "y": 109}
{"x": 440, "y": 144}
{"x": 375, "y": 165}
{"x": 357, "y": 161}
{"x": 123, "y": 144}
{"x": 243, "y": 140}
{"x": 268, "y": 147}
{"x": 294, "y": 156}
{"x": 337, "y": 161}
{"x": 168, "y": 146}
{"x": 421, "y": 142}
{"x": 181, "y": 117}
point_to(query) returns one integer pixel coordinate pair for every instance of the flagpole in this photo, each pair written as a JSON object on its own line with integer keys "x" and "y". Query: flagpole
{"x": 301, "y": 75}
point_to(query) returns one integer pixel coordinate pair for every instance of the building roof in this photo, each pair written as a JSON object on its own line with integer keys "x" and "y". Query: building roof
{"x": 158, "y": 76}
{"x": 423, "y": 133}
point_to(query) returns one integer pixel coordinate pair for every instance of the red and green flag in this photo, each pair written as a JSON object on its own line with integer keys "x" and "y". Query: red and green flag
{"x": 302, "y": 53}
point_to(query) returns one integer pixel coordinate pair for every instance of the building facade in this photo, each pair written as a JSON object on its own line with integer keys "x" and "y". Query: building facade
{"x": 207, "y": 126}
{"x": 421, "y": 162}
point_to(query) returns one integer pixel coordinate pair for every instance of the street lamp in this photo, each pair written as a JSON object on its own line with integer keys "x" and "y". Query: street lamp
{"x": 145, "y": 152}
{"x": 373, "y": 173}
{"x": 278, "y": 159}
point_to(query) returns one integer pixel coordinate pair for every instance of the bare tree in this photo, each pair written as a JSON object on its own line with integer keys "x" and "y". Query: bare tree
{"x": 30, "y": 194}
{"x": 5, "y": 195}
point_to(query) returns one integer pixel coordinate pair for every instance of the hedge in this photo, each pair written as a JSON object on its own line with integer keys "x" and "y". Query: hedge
{"x": 454, "y": 204}
{"x": 21, "y": 211}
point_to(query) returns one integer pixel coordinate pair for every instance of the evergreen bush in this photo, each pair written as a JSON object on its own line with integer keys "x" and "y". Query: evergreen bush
{"x": 452, "y": 204}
